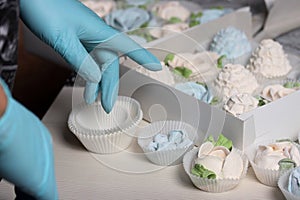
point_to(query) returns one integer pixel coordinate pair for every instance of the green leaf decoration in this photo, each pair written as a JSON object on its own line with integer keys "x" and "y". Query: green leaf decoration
{"x": 196, "y": 15}
{"x": 201, "y": 171}
{"x": 183, "y": 71}
{"x": 143, "y": 7}
{"x": 220, "y": 61}
{"x": 214, "y": 101}
{"x": 218, "y": 7}
{"x": 211, "y": 139}
{"x": 223, "y": 141}
{"x": 297, "y": 84}
{"x": 174, "y": 20}
{"x": 168, "y": 58}
{"x": 284, "y": 140}
{"x": 144, "y": 25}
{"x": 286, "y": 163}
{"x": 194, "y": 23}
{"x": 291, "y": 84}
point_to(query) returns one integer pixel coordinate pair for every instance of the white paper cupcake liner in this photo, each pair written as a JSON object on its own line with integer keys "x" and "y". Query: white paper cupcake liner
{"x": 267, "y": 177}
{"x": 106, "y": 133}
{"x": 165, "y": 157}
{"x": 283, "y": 186}
{"x": 212, "y": 185}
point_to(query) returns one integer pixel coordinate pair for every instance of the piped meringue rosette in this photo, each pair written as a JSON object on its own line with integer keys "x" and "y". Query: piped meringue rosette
{"x": 165, "y": 142}
{"x": 234, "y": 79}
{"x": 216, "y": 166}
{"x": 289, "y": 185}
{"x": 270, "y": 159}
{"x": 232, "y": 43}
{"x": 269, "y": 60}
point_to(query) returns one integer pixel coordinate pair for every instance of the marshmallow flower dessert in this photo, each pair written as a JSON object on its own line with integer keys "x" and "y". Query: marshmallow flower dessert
{"x": 216, "y": 166}
{"x": 165, "y": 142}
{"x": 127, "y": 19}
{"x": 171, "y": 9}
{"x": 101, "y": 8}
{"x": 230, "y": 42}
{"x": 276, "y": 91}
{"x": 270, "y": 160}
{"x": 240, "y": 103}
{"x": 216, "y": 160}
{"x": 235, "y": 79}
{"x": 202, "y": 66}
{"x": 269, "y": 60}
{"x": 164, "y": 75}
{"x": 196, "y": 90}
{"x": 168, "y": 29}
{"x": 212, "y": 14}
{"x": 269, "y": 156}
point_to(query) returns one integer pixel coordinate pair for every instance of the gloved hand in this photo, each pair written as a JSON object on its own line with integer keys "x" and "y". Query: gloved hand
{"x": 73, "y": 30}
{"x": 26, "y": 157}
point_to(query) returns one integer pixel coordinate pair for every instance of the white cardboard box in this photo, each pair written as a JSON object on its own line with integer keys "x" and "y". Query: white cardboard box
{"x": 278, "y": 119}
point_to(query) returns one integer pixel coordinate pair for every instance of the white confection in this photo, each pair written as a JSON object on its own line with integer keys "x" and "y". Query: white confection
{"x": 203, "y": 64}
{"x": 170, "y": 9}
{"x": 163, "y": 75}
{"x": 268, "y": 156}
{"x": 269, "y": 60}
{"x": 168, "y": 29}
{"x": 240, "y": 103}
{"x": 221, "y": 161}
{"x": 101, "y": 8}
{"x": 233, "y": 165}
{"x": 235, "y": 79}
{"x": 274, "y": 92}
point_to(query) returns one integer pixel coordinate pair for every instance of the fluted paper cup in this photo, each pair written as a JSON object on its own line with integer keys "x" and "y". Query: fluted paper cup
{"x": 106, "y": 133}
{"x": 283, "y": 183}
{"x": 212, "y": 185}
{"x": 267, "y": 177}
{"x": 168, "y": 156}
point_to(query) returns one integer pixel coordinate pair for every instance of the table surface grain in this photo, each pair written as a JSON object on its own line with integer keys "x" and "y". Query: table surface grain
{"x": 126, "y": 175}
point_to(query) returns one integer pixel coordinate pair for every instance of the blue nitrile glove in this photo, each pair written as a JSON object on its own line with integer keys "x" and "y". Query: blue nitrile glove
{"x": 73, "y": 30}
{"x": 26, "y": 155}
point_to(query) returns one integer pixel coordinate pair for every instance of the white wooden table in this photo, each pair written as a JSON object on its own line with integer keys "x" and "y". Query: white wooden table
{"x": 125, "y": 175}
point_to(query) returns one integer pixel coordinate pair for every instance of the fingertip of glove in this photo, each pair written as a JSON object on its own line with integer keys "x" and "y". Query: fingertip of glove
{"x": 153, "y": 66}
{"x": 151, "y": 62}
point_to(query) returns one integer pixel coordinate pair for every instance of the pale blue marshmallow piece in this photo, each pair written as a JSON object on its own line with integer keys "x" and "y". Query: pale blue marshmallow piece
{"x": 139, "y": 2}
{"x": 165, "y": 145}
{"x": 160, "y": 138}
{"x": 152, "y": 146}
{"x": 230, "y": 42}
{"x": 294, "y": 182}
{"x": 212, "y": 14}
{"x": 196, "y": 90}
{"x": 176, "y": 136}
{"x": 127, "y": 19}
